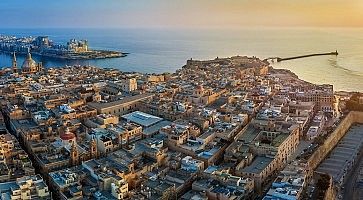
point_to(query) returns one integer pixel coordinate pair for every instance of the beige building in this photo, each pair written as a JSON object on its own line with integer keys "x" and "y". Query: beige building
{"x": 125, "y": 85}
{"x": 259, "y": 170}
{"x": 204, "y": 96}
{"x": 129, "y": 132}
{"x": 155, "y": 78}
{"x": 27, "y": 187}
{"x": 121, "y": 107}
{"x": 177, "y": 134}
{"x": 271, "y": 144}
{"x": 276, "y": 143}
{"x": 30, "y": 66}
{"x": 322, "y": 95}
{"x": 101, "y": 121}
{"x": 129, "y": 85}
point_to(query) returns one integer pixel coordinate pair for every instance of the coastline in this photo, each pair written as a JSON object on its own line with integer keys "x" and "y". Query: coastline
{"x": 45, "y": 47}
{"x": 166, "y": 50}
{"x": 232, "y": 97}
{"x": 92, "y": 54}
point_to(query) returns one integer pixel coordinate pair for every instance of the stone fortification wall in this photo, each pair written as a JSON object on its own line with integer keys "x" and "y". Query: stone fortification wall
{"x": 319, "y": 155}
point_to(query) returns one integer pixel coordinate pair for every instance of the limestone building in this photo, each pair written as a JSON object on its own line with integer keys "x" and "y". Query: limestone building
{"x": 30, "y": 66}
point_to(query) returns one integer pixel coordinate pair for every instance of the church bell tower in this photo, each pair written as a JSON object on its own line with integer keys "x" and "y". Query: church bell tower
{"x": 15, "y": 65}
{"x": 93, "y": 148}
{"x": 74, "y": 158}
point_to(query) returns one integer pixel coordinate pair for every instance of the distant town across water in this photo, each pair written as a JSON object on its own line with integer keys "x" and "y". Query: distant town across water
{"x": 165, "y": 50}
{"x": 43, "y": 46}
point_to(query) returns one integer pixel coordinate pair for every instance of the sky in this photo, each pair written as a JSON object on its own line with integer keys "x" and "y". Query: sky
{"x": 180, "y": 13}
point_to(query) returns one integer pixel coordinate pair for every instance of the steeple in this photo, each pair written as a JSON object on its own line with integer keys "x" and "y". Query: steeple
{"x": 29, "y": 56}
{"x": 14, "y": 57}
{"x": 15, "y": 65}
{"x": 74, "y": 157}
{"x": 93, "y": 148}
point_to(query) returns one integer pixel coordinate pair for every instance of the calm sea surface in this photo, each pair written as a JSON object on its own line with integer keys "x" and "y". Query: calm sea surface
{"x": 161, "y": 50}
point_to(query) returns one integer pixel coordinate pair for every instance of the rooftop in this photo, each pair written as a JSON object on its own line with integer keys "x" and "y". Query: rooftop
{"x": 125, "y": 100}
{"x": 258, "y": 165}
{"x": 143, "y": 119}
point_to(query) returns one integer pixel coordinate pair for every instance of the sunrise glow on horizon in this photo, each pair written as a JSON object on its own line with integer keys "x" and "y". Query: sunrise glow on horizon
{"x": 184, "y": 14}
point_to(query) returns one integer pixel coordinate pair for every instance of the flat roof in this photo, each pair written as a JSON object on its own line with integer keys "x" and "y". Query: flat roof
{"x": 279, "y": 139}
{"x": 141, "y": 118}
{"x": 6, "y": 187}
{"x": 156, "y": 127}
{"x": 249, "y": 134}
{"x": 258, "y": 165}
{"x": 346, "y": 150}
{"x": 125, "y": 100}
{"x": 23, "y": 123}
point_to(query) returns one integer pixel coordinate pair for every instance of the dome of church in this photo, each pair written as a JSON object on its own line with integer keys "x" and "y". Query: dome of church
{"x": 67, "y": 135}
{"x": 29, "y": 62}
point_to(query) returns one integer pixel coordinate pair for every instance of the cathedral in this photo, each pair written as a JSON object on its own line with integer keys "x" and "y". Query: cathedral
{"x": 29, "y": 65}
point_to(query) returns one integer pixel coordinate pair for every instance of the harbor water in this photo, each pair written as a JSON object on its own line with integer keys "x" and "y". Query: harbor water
{"x": 165, "y": 50}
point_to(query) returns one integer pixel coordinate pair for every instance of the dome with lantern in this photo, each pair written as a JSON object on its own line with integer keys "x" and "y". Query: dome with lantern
{"x": 29, "y": 63}
{"x": 67, "y": 136}
{"x": 30, "y": 66}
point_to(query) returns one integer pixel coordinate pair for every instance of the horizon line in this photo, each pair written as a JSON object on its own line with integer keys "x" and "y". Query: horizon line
{"x": 191, "y": 28}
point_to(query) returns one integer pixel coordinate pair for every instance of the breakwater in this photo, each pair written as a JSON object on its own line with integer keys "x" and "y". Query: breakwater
{"x": 278, "y": 59}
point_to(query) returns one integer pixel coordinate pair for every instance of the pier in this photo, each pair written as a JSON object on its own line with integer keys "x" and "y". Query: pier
{"x": 278, "y": 59}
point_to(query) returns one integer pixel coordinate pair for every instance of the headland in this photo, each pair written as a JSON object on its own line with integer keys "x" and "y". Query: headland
{"x": 231, "y": 128}
{"x": 43, "y": 46}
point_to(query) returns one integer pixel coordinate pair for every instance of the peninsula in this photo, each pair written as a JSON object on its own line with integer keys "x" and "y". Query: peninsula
{"x": 43, "y": 46}
{"x": 228, "y": 128}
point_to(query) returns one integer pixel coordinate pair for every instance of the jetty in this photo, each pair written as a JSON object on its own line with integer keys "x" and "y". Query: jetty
{"x": 278, "y": 59}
